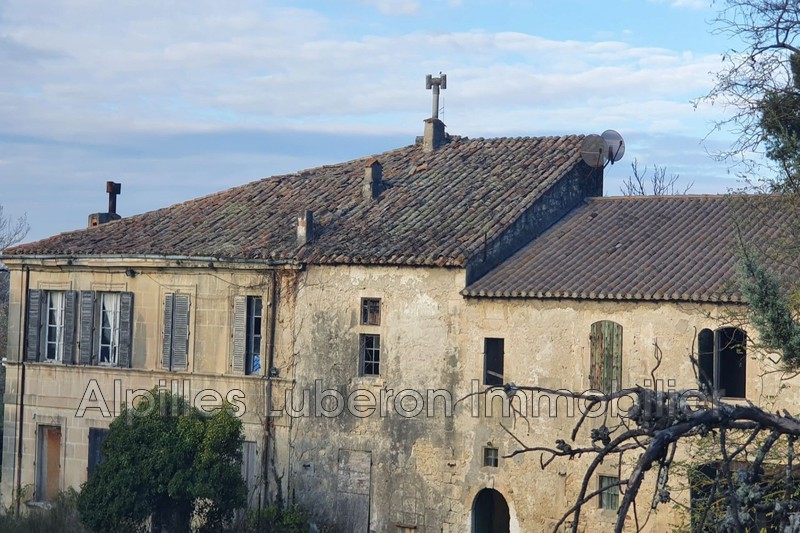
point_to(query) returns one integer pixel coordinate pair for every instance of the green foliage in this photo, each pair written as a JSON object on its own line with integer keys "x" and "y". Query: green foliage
{"x": 169, "y": 464}
{"x": 780, "y": 120}
{"x": 61, "y": 516}
{"x": 770, "y": 311}
{"x": 291, "y": 520}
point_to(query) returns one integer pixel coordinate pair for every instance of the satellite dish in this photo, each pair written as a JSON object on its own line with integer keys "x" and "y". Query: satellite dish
{"x": 594, "y": 151}
{"x": 616, "y": 146}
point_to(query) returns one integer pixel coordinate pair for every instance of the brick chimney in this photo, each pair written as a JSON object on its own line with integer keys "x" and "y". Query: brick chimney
{"x": 305, "y": 228}
{"x": 113, "y": 189}
{"x": 373, "y": 180}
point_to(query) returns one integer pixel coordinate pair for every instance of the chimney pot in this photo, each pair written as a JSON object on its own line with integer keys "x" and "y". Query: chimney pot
{"x": 373, "y": 180}
{"x": 305, "y": 228}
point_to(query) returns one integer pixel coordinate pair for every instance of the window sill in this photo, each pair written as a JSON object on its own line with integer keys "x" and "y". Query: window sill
{"x": 368, "y": 381}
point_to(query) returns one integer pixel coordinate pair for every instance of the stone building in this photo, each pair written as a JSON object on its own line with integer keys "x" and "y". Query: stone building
{"x": 350, "y": 337}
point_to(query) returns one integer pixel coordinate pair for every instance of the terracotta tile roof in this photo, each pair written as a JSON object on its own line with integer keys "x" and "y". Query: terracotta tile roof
{"x": 435, "y": 209}
{"x": 661, "y": 248}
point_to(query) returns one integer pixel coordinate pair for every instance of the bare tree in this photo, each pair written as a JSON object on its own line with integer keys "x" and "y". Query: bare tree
{"x": 12, "y": 231}
{"x": 657, "y": 184}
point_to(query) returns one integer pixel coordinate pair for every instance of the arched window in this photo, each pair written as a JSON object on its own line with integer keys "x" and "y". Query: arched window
{"x": 722, "y": 358}
{"x": 605, "y": 352}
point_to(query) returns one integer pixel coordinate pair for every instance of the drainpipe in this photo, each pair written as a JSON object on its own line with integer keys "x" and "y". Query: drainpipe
{"x": 21, "y": 385}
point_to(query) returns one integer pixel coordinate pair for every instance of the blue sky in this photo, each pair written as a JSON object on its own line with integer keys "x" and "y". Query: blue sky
{"x": 179, "y": 99}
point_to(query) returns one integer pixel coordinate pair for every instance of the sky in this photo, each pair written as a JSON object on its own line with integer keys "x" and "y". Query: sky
{"x": 178, "y": 99}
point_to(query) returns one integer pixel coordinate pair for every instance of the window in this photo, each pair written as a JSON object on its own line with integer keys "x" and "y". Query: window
{"x": 96, "y": 438}
{"x": 493, "y": 361}
{"x": 52, "y": 317}
{"x": 722, "y": 358}
{"x": 54, "y": 326}
{"x": 609, "y": 497}
{"x": 605, "y": 352}
{"x": 248, "y": 312}
{"x": 106, "y": 328}
{"x": 371, "y": 311}
{"x": 370, "y": 350}
{"x": 491, "y": 457}
{"x": 48, "y": 463}
{"x": 254, "y": 312}
{"x": 175, "y": 339}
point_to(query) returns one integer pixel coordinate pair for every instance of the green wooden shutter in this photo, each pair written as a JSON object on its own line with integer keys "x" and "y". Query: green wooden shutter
{"x": 87, "y": 327}
{"x": 166, "y": 353}
{"x": 180, "y": 332}
{"x": 125, "y": 329}
{"x": 605, "y": 353}
{"x": 239, "y": 334}
{"x": 615, "y": 352}
{"x": 35, "y": 300}
{"x": 596, "y": 356}
{"x": 70, "y": 325}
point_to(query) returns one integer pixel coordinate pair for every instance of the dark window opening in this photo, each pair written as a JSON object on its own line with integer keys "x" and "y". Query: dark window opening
{"x": 722, "y": 361}
{"x": 493, "y": 353}
{"x": 370, "y": 354}
{"x": 253, "y": 334}
{"x": 609, "y": 497}
{"x": 491, "y": 457}
{"x": 96, "y": 438}
{"x": 371, "y": 311}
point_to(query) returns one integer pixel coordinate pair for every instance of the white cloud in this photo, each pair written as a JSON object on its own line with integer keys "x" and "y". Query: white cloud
{"x": 395, "y": 7}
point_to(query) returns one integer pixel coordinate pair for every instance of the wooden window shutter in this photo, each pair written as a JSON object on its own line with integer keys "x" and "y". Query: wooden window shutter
{"x": 596, "y": 356}
{"x": 615, "y": 335}
{"x": 125, "y": 329}
{"x": 87, "y": 327}
{"x": 239, "y": 333}
{"x": 166, "y": 354}
{"x": 180, "y": 332}
{"x": 32, "y": 349}
{"x": 70, "y": 326}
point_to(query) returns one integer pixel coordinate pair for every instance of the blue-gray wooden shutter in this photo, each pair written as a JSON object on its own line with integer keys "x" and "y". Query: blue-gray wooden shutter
{"x": 70, "y": 326}
{"x": 180, "y": 332}
{"x": 87, "y": 327}
{"x": 239, "y": 333}
{"x": 32, "y": 349}
{"x": 125, "y": 329}
{"x": 166, "y": 354}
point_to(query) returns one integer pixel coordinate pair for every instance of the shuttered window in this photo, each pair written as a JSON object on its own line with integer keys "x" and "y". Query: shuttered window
{"x": 106, "y": 328}
{"x": 175, "y": 345}
{"x": 605, "y": 371}
{"x": 247, "y": 335}
{"x": 52, "y": 317}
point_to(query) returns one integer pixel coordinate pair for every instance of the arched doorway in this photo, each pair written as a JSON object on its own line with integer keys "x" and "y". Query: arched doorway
{"x": 490, "y": 512}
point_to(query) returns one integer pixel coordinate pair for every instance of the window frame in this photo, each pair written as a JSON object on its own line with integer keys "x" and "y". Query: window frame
{"x": 491, "y": 457}
{"x": 114, "y": 314}
{"x": 608, "y": 497}
{"x": 711, "y": 359}
{"x": 253, "y": 338}
{"x": 370, "y": 311}
{"x": 375, "y": 351}
{"x": 59, "y": 327}
{"x": 491, "y": 377}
